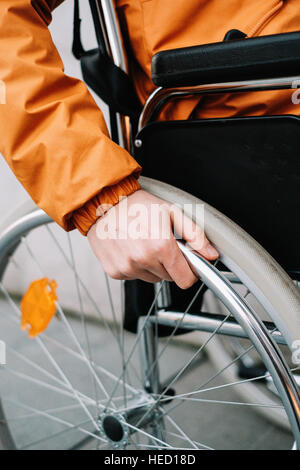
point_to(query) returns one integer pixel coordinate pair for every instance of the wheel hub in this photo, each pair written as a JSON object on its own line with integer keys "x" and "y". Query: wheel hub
{"x": 117, "y": 426}
{"x": 114, "y": 429}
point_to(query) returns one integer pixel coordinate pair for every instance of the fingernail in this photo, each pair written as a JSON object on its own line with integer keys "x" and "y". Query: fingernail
{"x": 212, "y": 252}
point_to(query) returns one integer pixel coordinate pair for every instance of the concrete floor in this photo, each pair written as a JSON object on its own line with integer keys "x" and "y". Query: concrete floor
{"x": 215, "y": 425}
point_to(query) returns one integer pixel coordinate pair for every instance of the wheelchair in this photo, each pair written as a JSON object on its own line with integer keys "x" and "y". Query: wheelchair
{"x": 243, "y": 313}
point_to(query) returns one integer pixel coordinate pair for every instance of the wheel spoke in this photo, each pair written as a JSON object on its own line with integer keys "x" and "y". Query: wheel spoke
{"x": 234, "y": 361}
{"x": 83, "y": 320}
{"x": 144, "y": 433}
{"x": 83, "y": 399}
{"x": 183, "y": 434}
{"x": 83, "y": 359}
{"x": 218, "y": 387}
{"x": 223, "y": 402}
{"x": 53, "y": 418}
{"x": 44, "y": 372}
{"x": 59, "y": 409}
{"x": 179, "y": 436}
{"x": 121, "y": 377}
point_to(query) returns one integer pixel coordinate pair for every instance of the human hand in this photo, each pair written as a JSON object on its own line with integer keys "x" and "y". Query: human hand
{"x": 135, "y": 240}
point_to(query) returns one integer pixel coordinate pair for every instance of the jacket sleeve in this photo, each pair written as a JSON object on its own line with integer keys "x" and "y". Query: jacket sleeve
{"x": 52, "y": 133}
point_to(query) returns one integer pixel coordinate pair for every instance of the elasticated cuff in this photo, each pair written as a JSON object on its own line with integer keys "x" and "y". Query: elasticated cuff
{"x": 87, "y": 215}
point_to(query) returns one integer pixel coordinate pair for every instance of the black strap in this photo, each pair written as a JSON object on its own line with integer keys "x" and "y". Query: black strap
{"x": 110, "y": 83}
{"x": 99, "y": 72}
{"x": 77, "y": 47}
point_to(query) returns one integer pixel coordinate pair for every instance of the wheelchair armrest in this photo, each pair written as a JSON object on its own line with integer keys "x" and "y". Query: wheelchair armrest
{"x": 256, "y": 58}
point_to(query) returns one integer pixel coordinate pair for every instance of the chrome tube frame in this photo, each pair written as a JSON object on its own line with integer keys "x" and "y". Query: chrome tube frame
{"x": 11, "y": 237}
{"x": 209, "y": 323}
{"x": 161, "y": 96}
{"x": 116, "y": 50}
{"x": 148, "y": 354}
{"x": 112, "y": 33}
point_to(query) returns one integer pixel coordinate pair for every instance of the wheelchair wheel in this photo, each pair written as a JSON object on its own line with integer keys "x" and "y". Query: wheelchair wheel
{"x": 87, "y": 383}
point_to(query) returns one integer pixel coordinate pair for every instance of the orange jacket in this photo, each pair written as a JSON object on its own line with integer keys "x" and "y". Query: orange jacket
{"x": 52, "y": 133}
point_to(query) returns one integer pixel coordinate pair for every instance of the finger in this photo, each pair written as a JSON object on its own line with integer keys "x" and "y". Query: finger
{"x": 152, "y": 265}
{"x": 159, "y": 271}
{"x": 193, "y": 234}
{"x": 177, "y": 266}
{"x": 148, "y": 277}
{"x": 117, "y": 266}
